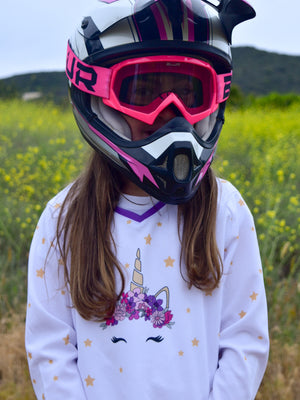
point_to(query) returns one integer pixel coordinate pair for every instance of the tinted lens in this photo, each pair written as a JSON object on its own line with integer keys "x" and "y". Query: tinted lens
{"x": 143, "y": 89}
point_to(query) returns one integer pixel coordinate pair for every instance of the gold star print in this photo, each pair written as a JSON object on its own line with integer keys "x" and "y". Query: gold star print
{"x": 127, "y": 265}
{"x": 188, "y": 310}
{"x": 121, "y": 370}
{"x": 40, "y": 273}
{"x": 260, "y": 270}
{"x": 50, "y": 361}
{"x": 169, "y": 262}
{"x": 128, "y": 222}
{"x": 253, "y": 296}
{"x": 89, "y": 381}
{"x": 55, "y": 378}
{"x": 195, "y": 342}
{"x": 242, "y": 314}
{"x": 63, "y": 292}
{"x": 88, "y": 343}
{"x": 241, "y": 202}
{"x": 66, "y": 339}
{"x": 34, "y": 381}
{"x": 180, "y": 353}
{"x": 30, "y": 356}
{"x": 159, "y": 224}
{"x": 148, "y": 239}
{"x": 260, "y": 337}
{"x": 43, "y": 397}
{"x": 57, "y": 205}
{"x": 43, "y": 241}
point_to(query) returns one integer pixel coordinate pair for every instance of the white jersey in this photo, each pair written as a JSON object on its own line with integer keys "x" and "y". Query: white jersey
{"x": 165, "y": 340}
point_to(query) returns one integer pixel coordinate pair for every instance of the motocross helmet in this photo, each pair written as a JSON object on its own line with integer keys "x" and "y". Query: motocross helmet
{"x": 136, "y": 58}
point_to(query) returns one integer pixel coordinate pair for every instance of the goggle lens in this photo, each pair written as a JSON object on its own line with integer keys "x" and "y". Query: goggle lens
{"x": 143, "y": 89}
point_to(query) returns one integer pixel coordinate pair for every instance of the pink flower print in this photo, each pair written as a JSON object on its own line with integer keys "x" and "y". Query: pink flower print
{"x": 136, "y": 295}
{"x": 124, "y": 298}
{"x": 168, "y": 317}
{"x": 142, "y": 306}
{"x": 158, "y": 319}
{"x": 120, "y": 312}
{"x": 148, "y": 314}
{"x": 111, "y": 321}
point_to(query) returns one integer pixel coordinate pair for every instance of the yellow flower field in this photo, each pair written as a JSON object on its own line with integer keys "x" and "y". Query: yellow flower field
{"x": 41, "y": 151}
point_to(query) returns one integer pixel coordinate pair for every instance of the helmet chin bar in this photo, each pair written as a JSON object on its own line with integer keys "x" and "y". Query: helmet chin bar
{"x": 180, "y": 168}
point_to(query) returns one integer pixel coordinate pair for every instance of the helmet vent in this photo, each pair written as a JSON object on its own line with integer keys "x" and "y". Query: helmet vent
{"x": 181, "y": 167}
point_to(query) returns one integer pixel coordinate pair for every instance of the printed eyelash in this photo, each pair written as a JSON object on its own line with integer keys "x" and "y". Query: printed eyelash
{"x": 156, "y": 339}
{"x": 116, "y": 340}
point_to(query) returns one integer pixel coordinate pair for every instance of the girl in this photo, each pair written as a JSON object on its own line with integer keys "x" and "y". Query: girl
{"x": 145, "y": 277}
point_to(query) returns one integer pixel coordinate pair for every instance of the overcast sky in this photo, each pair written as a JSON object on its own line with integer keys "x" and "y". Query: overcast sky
{"x": 34, "y": 33}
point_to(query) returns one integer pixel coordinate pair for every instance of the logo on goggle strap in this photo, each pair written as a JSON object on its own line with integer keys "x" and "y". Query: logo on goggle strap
{"x": 80, "y": 73}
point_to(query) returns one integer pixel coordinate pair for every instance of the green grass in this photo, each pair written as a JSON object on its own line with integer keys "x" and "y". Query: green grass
{"x": 41, "y": 151}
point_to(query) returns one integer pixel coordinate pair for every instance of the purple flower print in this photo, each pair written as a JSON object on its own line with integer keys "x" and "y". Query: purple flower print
{"x": 154, "y": 303}
{"x": 136, "y": 304}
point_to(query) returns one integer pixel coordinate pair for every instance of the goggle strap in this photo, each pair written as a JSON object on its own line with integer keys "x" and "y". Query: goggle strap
{"x": 88, "y": 78}
{"x": 223, "y": 86}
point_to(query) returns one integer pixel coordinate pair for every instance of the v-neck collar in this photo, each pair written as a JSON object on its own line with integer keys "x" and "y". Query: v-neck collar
{"x": 138, "y": 208}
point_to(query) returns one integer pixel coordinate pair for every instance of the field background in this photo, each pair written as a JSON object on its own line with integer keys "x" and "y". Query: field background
{"x": 41, "y": 151}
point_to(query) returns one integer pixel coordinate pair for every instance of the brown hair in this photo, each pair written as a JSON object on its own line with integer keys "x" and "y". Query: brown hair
{"x": 84, "y": 233}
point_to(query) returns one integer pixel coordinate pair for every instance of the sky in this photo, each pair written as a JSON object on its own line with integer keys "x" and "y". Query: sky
{"x": 34, "y": 33}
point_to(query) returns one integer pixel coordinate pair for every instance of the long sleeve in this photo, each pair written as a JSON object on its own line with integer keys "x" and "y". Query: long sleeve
{"x": 51, "y": 342}
{"x": 244, "y": 342}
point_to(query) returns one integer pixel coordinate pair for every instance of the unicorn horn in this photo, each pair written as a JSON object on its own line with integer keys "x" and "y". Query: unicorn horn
{"x": 137, "y": 276}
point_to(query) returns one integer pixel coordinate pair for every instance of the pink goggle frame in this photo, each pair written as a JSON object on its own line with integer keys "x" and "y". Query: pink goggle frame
{"x": 106, "y": 83}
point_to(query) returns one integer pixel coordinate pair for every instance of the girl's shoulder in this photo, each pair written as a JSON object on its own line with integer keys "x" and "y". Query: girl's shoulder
{"x": 230, "y": 199}
{"x": 54, "y": 205}
{"x": 59, "y": 198}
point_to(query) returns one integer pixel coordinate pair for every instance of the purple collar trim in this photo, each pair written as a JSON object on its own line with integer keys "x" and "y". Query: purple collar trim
{"x": 140, "y": 218}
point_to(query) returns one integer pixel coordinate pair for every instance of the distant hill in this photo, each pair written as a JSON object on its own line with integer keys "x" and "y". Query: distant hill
{"x": 255, "y": 72}
{"x": 260, "y": 72}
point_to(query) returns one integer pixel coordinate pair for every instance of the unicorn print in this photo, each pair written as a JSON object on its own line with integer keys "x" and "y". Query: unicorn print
{"x": 139, "y": 304}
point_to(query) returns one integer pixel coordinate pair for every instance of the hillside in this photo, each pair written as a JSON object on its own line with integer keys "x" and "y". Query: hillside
{"x": 260, "y": 72}
{"x": 255, "y": 72}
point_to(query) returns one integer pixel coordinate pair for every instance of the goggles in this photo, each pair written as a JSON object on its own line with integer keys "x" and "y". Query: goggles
{"x": 143, "y": 87}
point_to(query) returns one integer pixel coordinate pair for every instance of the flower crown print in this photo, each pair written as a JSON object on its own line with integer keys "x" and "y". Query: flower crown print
{"x": 138, "y": 304}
